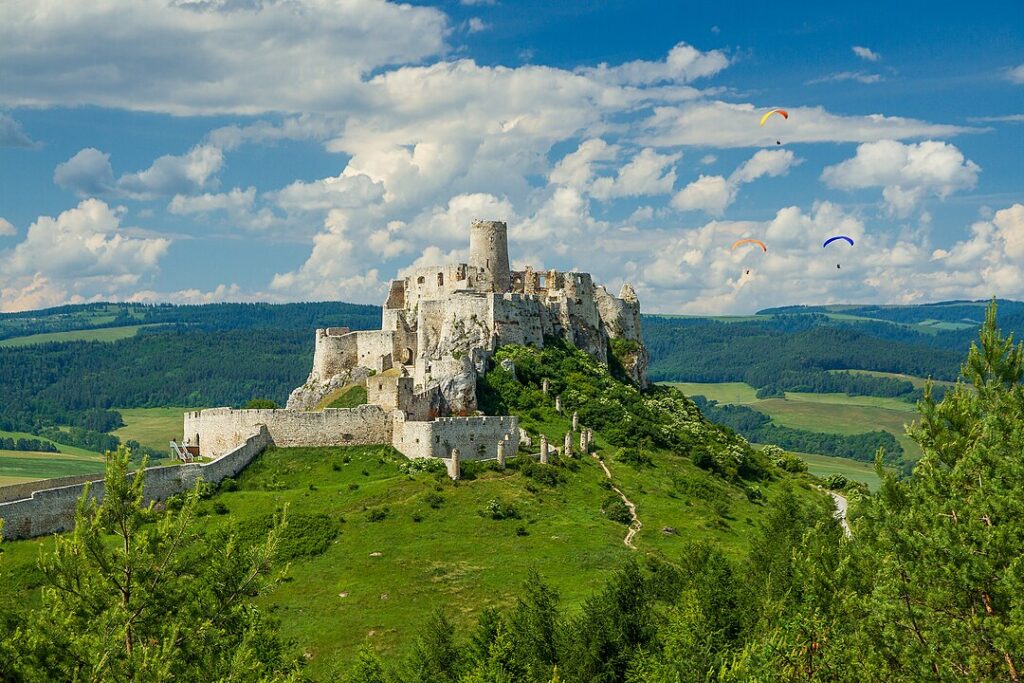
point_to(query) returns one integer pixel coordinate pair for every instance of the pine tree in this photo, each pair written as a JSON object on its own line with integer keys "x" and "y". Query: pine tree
{"x": 133, "y": 595}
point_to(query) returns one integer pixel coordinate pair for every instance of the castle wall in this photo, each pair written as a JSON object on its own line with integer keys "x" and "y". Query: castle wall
{"x": 221, "y": 429}
{"x": 51, "y": 510}
{"x": 335, "y": 353}
{"x": 476, "y": 437}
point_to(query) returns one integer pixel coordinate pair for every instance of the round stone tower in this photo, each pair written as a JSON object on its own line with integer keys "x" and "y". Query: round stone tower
{"x": 488, "y": 251}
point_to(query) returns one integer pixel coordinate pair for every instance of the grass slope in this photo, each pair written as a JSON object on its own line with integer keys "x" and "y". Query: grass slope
{"x": 151, "y": 427}
{"x": 64, "y": 449}
{"x": 103, "y": 334}
{"x": 454, "y": 556}
{"x": 20, "y": 466}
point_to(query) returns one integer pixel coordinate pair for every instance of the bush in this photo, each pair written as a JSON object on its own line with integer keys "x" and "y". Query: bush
{"x": 634, "y": 456}
{"x": 498, "y": 509}
{"x": 771, "y": 391}
{"x": 434, "y": 500}
{"x": 228, "y": 485}
{"x": 220, "y": 508}
{"x": 306, "y": 535}
{"x": 377, "y": 515}
{"x": 260, "y": 403}
{"x": 417, "y": 517}
{"x": 616, "y": 510}
{"x": 836, "y": 482}
{"x": 521, "y": 531}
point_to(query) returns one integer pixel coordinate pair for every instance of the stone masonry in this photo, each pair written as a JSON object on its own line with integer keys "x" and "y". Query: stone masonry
{"x": 441, "y": 325}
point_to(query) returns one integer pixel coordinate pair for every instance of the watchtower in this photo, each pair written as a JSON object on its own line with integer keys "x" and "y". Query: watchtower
{"x": 488, "y": 251}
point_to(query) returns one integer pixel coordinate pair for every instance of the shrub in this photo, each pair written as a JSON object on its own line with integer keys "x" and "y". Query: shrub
{"x": 434, "y": 500}
{"x": 634, "y": 456}
{"x": 521, "y": 531}
{"x": 377, "y": 515}
{"x": 260, "y": 403}
{"x": 336, "y": 467}
{"x": 228, "y": 484}
{"x": 836, "y": 482}
{"x": 616, "y": 510}
{"x": 498, "y": 509}
{"x": 220, "y": 508}
{"x": 417, "y": 517}
{"x": 353, "y": 486}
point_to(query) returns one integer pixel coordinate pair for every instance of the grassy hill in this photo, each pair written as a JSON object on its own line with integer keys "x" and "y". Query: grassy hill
{"x": 376, "y": 542}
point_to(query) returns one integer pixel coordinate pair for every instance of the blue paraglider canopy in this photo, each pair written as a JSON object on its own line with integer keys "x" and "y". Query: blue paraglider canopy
{"x": 830, "y": 240}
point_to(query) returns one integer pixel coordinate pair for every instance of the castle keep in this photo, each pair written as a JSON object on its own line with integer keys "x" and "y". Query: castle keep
{"x": 440, "y": 328}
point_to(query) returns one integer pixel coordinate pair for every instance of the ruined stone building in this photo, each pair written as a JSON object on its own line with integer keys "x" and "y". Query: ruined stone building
{"x": 440, "y": 328}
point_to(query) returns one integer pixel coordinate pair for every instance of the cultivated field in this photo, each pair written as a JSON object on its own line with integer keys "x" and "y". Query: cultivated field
{"x": 17, "y": 467}
{"x": 833, "y": 413}
{"x": 103, "y": 334}
{"x": 151, "y": 427}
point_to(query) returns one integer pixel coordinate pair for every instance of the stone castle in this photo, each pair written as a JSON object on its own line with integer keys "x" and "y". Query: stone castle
{"x": 441, "y": 326}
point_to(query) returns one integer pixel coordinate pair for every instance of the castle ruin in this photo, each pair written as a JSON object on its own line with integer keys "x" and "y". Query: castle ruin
{"x": 440, "y": 328}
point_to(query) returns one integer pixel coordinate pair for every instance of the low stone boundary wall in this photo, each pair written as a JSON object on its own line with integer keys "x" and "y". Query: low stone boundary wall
{"x": 50, "y": 510}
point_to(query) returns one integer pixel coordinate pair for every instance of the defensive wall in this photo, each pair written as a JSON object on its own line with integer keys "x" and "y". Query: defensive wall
{"x": 51, "y": 510}
{"x": 217, "y": 430}
{"x": 476, "y": 438}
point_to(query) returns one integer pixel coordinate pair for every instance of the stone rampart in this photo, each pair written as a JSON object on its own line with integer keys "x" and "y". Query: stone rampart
{"x": 52, "y": 509}
{"x": 476, "y": 438}
{"x": 220, "y": 429}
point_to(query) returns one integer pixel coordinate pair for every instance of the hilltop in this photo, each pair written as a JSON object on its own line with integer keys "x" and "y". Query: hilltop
{"x": 375, "y": 541}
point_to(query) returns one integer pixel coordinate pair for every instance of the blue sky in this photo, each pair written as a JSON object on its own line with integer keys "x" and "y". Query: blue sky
{"x": 208, "y": 150}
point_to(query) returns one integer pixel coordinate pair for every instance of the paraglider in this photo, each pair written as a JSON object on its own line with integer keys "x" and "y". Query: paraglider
{"x": 830, "y": 240}
{"x": 781, "y": 112}
{"x": 749, "y": 240}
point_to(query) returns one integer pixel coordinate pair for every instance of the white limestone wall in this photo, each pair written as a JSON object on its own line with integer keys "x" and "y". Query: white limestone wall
{"x": 51, "y": 510}
{"x": 476, "y": 438}
{"x": 221, "y": 429}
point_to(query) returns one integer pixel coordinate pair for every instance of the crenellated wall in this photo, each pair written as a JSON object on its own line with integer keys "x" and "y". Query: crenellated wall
{"x": 220, "y": 429}
{"x": 476, "y": 438}
{"x": 51, "y": 510}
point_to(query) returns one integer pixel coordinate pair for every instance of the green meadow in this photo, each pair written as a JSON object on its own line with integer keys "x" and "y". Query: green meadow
{"x": 102, "y": 334}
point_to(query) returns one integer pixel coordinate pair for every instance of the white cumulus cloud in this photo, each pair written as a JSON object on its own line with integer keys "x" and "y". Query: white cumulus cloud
{"x": 906, "y": 172}
{"x": 714, "y": 194}
{"x": 1016, "y": 74}
{"x": 89, "y": 173}
{"x": 81, "y": 254}
{"x": 6, "y": 229}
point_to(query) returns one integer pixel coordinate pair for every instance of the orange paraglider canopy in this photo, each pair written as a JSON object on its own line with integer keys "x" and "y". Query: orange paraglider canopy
{"x": 750, "y": 241}
{"x": 781, "y": 112}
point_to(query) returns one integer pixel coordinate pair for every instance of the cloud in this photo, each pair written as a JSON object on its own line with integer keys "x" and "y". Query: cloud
{"x": 1009, "y": 118}
{"x": 723, "y": 124}
{"x": 906, "y": 172}
{"x": 476, "y": 25}
{"x": 683, "y": 64}
{"x": 714, "y": 194}
{"x": 86, "y": 173}
{"x": 207, "y": 57}
{"x": 343, "y": 191}
{"x": 708, "y": 159}
{"x": 773, "y": 163}
{"x": 12, "y": 134}
{"x": 710, "y": 194}
{"x": 867, "y": 54}
{"x": 81, "y": 254}
{"x": 89, "y": 173}
{"x": 647, "y": 174}
{"x": 576, "y": 169}
{"x": 477, "y": 3}
{"x": 839, "y": 77}
{"x": 238, "y": 204}
{"x": 1016, "y": 74}
{"x": 6, "y": 229}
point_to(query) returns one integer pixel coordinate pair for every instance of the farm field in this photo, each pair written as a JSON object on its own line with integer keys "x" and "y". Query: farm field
{"x": 103, "y": 334}
{"x": 834, "y": 413}
{"x": 151, "y": 427}
{"x": 824, "y": 465}
{"x": 918, "y": 382}
{"x": 21, "y": 466}
{"x": 64, "y": 449}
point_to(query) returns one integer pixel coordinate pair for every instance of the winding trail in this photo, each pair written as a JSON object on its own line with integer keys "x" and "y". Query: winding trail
{"x": 636, "y": 524}
{"x": 841, "y": 505}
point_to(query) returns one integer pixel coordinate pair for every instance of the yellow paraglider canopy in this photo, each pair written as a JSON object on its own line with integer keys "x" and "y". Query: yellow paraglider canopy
{"x": 781, "y": 112}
